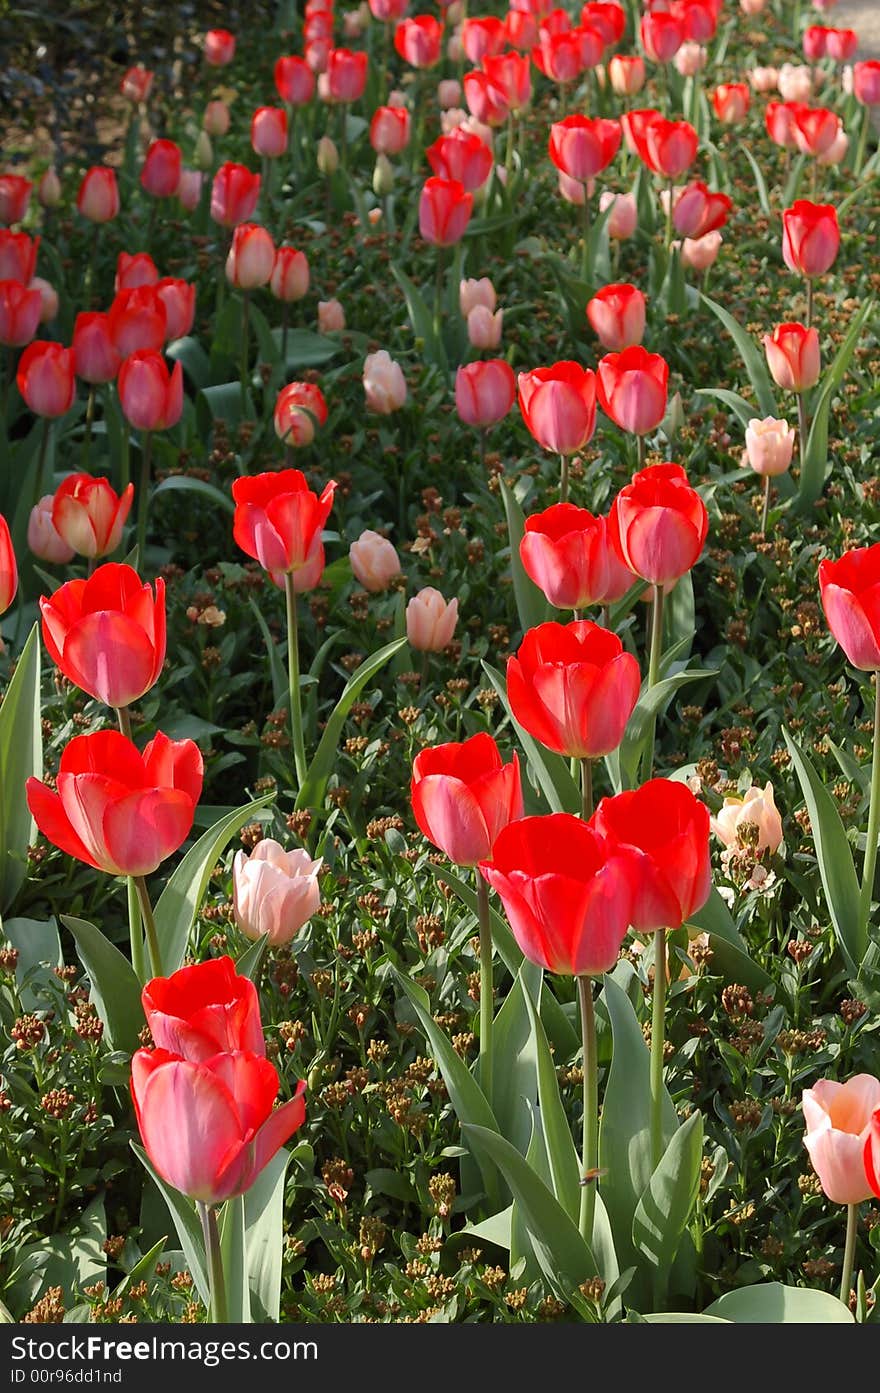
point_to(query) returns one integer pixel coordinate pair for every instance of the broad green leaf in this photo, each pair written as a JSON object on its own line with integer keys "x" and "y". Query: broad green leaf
{"x": 70, "y": 1260}
{"x": 183, "y": 483}
{"x": 550, "y": 770}
{"x": 421, "y": 319}
{"x": 752, "y": 358}
{"x": 653, "y": 700}
{"x": 515, "y": 1081}
{"x": 731, "y": 952}
{"x": 277, "y": 669}
{"x": 233, "y": 1248}
{"x": 771, "y": 1303}
{"x": 760, "y": 183}
{"x": 682, "y": 1318}
{"x": 196, "y": 363}
{"x": 264, "y": 1231}
{"x": 666, "y": 1205}
{"x": 561, "y": 1151}
{"x": 145, "y": 1267}
{"x": 176, "y": 909}
{"x": 311, "y": 795}
{"x": 563, "y": 1256}
{"x": 531, "y": 603}
{"x": 503, "y": 939}
{"x": 605, "y": 1253}
{"x": 186, "y": 1224}
{"x": 251, "y": 960}
{"x": 21, "y": 757}
{"x": 537, "y": 1162}
{"x": 494, "y": 1230}
{"x": 742, "y": 409}
{"x": 834, "y": 854}
{"x": 816, "y": 456}
{"x": 115, "y": 990}
{"x": 39, "y": 951}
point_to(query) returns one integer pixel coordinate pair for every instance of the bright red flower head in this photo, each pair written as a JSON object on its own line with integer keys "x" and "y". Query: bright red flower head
{"x": 486, "y": 100}
{"x": 278, "y": 520}
{"x": 88, "y": 515}
{"x": 850, "y": 592}
{"x": 95, "y": 355}
{"x": 98, "y": 197}
{"x": 15, "y": 194}
{"x": 445, "y": 208}
{"x": 179, "y": 299}
{"x": 659, "y": 524}
{"x": 512, "y": 72}
{"x": 418, "y": 41}
{"x": 269, "y": 131}
{"x": 731, "y": 102}
{"x": 219, "y": 47}
{"x": 567, "y": 552}
{"x": 841, "y": 45}
{"x": 461, "y": 155}
{"x": 662, "y": 35}
{"x": 482, "y": 36}
{"x": 793, "y": 357}
{"x": 8, "y": 567}
{"x": 779, "y": 118}
{"x": 139, "y": 269}
{"x": 390, "y": 129}
{"x": 462, "y": 797}
{"x": 300, "y": 408}
{"x": 582, "y": 147}
{"x": 116, "y": 809}
{"x": 346, "y": 74}
{"x": 632, "y": 388}
{"x": 559, "y": 56}
{"x": 573, "y": 688}
{"x": 137, "y": 319}
{"x": 136, "y": 84}
{"x": 204, "y": 1010}
{"x": 670, "y": 147}
{"x": 160, "y": 175}
{"x": 697, "y": 210}
{"x": 815, "y": 128}
{"x": 294, "y": 80}
{"x": 617, "y": 315}
{"x": 866, "y": 82}
{"x": 810, "y": 237}
{"x": 234, "y": 194}
{"x": 567, "y": 896}
{"x": 45, "y": 378}
{"x": 20, "y": 311}
{"x": 558, "y": 405}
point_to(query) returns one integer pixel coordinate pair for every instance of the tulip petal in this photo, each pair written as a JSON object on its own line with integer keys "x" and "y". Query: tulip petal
{"x": 48, "y": 813}
{"x": 189, "y": 1124}
{"x": 143, "y": 828}
{"x": 450, "y": 817}
{"x": 110, "y": 657}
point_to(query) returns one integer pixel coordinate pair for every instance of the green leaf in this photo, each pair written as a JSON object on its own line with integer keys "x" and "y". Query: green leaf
{"x": 21, "y": 756}
{"x": 742, "y": 409}
{"x": 531, "y": 603}
{"x": 115, "y": 990}
{"x": 666, "y": 1205}
{"x": 311, "y": 795}
{"x": 233, "y": 1250}
{"x": 835, "y": 858}
{"x": 536, "y": 1159}
{"x": 503, "y": 939}
{"x": 183, "y": 482}
{"x": 752, "y": 358}
{"x": 143, "y": 1268}
{"x": 39, "y": 951}
{"x": 264, "y": 1232}
{"x": 515, "y": 1080}
{"x": 682, "y": 1318}
{"x": 563, "y": 1256}
{"x": 565, "y": 1166}
{"x": 251, "y": 960}
{"x": 760, "y": 183}
{"x": 186, "y": 1224}
{"x": 815, "y": 462}
{"x": 550, "y": 770}
{"x": 771, "y": 1303}
{"x": 196, "y": 363}
{"x": 176, "y": 909}
{"x": 276, "y": 666}
{"x": 731, "y": 952}
{"x": 71, "y": 1260}
{"x": 623, "y": 764}
{"x": 421, "y": 319}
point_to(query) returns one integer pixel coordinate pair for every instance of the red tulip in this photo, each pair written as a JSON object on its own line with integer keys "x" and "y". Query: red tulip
{"x": 608, "y": 18}
{"x": 841, "y": 44}
{"x": 779, "y": 118}
{"x": 89, "y": 516}
{"x": 219, "y": 47}
{"x": 567, "y": 896}
{"x": 866, "y": 82}
{"x": 18, "y": 256}
{"x": 522, "y": 30}
{"x": 9, "y": 568}
{"x": 137, "y": 320}
{"x": 582, "y": 147}
{"x": 204, "y": 1010}
{"x": 666, "y": 830}
{"x": 814, "y": 42}
{"x": 662, "y": 35}
{"x": 390, "y": 129}
{"x": 346, "y": 74}
{"x": 632, "y": 389}
{"x": 793, "y": 357}
{"x": 118, "y": 810}
{"x": 486, "y": 100}
{"x": 20, "y": 313}
{"x": 132, "y": 271}
{"x": 445, "y": 209}
{"x": 278, "y": 520}
{"x": 387, "y": 11}
{"x": 658, "y": 524}
{"x": 511, "y": 72}
{"x": 418, "y": 41}
{"x": 484, "y": 392}
{"x": 634, "y": 125}
{"x": 234, "y": 194}
{"x": 179, "y": 300}
{"x": 299, "y": 409}
{"x": 482, "y": 36}
{"x": 697, "y": 210}
{"x": 850, "y": 592}
{"x": 151, "y": 398}
{"x": 98, "y": 197}
{"x": 294, "y": 80}
{"x": 461, "y": 156}
{"x": 810, "y": 237}
{"x": 731, "y": 102}
{"x": 567, "y": 552}
{"x": 107, "y": 634}
{"x": 269, "y": 131}
{"x": 626, "y": 73}
{"x": 558, "y": 56}
{"x": 15, "y": 193}
{"x": 251, "y": 258}
{"x": 617, "y": 315}
{"x": 573, "y": 688}
{"x": 136, "y": 85}
{"x": 815, "y": 128}
{"x": 462, "y": 797}
{"x": 558, "y": 405}
{"x": 700, "y": 20}
{"x": 45, "y": 378}
{"x": 95, "y": 355}
{"x": 670, "y": 146}
{"x": 160, "y": 175}
{"x": 290, "y": 275}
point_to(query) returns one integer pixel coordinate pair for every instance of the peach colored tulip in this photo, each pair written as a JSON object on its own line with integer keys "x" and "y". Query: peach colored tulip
{"x": 836, "y": 152}
{"x": 472, "y": 293}
{"x": 384, "y": 383}
{"x": 795, "y": 82}
{"x": 216, "y": 119}
{"x": 189, "y": 190}
{"x": 838, "y": 1118}
{"x": 449, "y": 93}
{"x": 274, "y": 892}
{"x": 764, "y": 79}
{"x": 769, "y": 446}
{"x": 690, "y": 59}
{"x": 48, "y": 298}
{"x": 49, "y": 189}
{"x": 430, "y": 620}
{"x": 624, "y": 217}
{"x": 699, "y": 253}
{"x": 42, "y": 538}
{"x": 484, "y": 327}
{"x": 331, "y": 317}
{"x": 374, "y": 561}
{"x": 756, "y": 807}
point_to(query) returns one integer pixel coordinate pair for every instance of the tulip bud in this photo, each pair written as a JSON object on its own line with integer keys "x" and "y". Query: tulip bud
{"x": 251, "y": 257}
{"x": 216, "y": 118}
{"x": 384, "y": 383}
{"x": 189, "y": 190}
{"x": 383, "y": 177}
{"x": 274, "y": 892}
{"x": 42, "y": 538}
{"x": 48, "y": 298}
{"x": 49, "y": 189}
{"x": 374, "y": 562}
{"x": 449, "y": 92}
{"x": 484, "y": 327}
{"x": 8, "y": 567}
{"x": 624, "y": 216}
{"x": 476, "y": 292}
{"x": 204, "y": 152}
{"x": 328, "y": 156}
{"x": 430, "y": 621}
{"x": 769, "y": 445}
{"x": 699, "y": 253}
{"x": 290, "y": 275}
{"x": 331, "y": 317}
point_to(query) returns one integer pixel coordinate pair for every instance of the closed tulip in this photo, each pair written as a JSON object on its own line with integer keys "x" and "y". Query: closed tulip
{"x": 8, "y": 567}
{"x": 96, "y": 357}
{"x": 730, "y": 102}
{"x": 626, "y": 73}
{"x": 573, "y": 688}
{"x": 390, "y": 129}
{"x": 472, "y": 293}
{"x": 624, "y": 216}
{"x": 816, "y": 129}
{"x": 20, "y": 313}
{"x": 670, "y": 147}
{"x": 234, "y": 194}
{"x": 850, "y": 591}
{"x": 189, "y": 190}
{"x": 203, "y": 1010}
{"x": 567, "y": 896}
{"x": 15, "y": 195}
{"x": 810, "y": 237}
{"x": 151, "y": 397}
{"x": 780, "y": 124}
{"x": 136, "y": 85}
{"x": 331, "y": 317}
{"x": 484, "y": 391}
{"x": 274, "y": 892}
{"x": 756, "y": 808}
{"x": 558, "y": 405}
{"x": 430, "y": 620}
{"x": 294, "y": 80}
{"x": 567, "y": 552}
{"x": 814, "y": 42}
{"x": 511, "y": 72}
{"x": 346, "y": 74}
{"x": 269, "y": 132}
{"x": 842, "y": 44}
{"x": 219, "y": 47}
{"x": 278, "y": 519}
{"x": 559, "y": 56}
{"x": 632, "y": 388}
{"x": 839, "y": 1120}
{"x": 666, "y": 829}
{"x": 617, "y": 316}
{"x": 137, "y": 320}
{"x": 461, "y": 155}
{"x": 582, "y": 147}
{"x": 251, "y": 258}
{"x": 374, "y": 562}
{"x": 696, "y": 210}
{"x": 88, "y": 514}
{"x": 210, "y": 1129}
{"x": 384, "y": 383}
{"x": 216, "y": 118}
{"x": 445, "y": 209}
{"x": 160, "y": 175}
{"x": 289, "y": 280}
{"x": 107, "y": 634}
{"x": 793, "y": 357}
{"x": 481, "y": 36}
{"x": 659, "y": 524}
{"x": 98, "y": 196}
{"x": 690, "y": 59}
{"x": 769, "y": 445}
{"x": 463, "y": 796}
{"x": 699, "y": 253}
{"x": 18, "y": 256}
{"x": 45, "y": 378}
{"x": 116, "y": 809}
{"x": 42, "y": 538}
{"x": 131, "y": 271}
{"x": 418, "y": 41}
{"x": 866, "y": 82}
{"x": 484, "y": 328}
{"x": 299, "y": 410}
{"x": 179, "y": 300}
{"x": 662, "y": 35}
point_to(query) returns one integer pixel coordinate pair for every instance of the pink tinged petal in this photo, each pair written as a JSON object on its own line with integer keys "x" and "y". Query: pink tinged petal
{"x": 275, "y": 1131}
{"x": 661, "y": 544}
{"x": 851, "y": 627}
{"x": 114, "y": 657}
{"x": 73, "y": 522}
{"x": 253, "y": 1083}
{"x": 849, "y": 1106}
{"x": 85, "y": 799}
{"x": 525, "y": 925}
{"x": 48, "y": 813}
{"x": 450, "y": 817}
{"x": 531, "y": 714}
{"x": 655, "y": 905}
{"x": 499, "y": 797}
{"x": 838, "y": 1159}
{"x": 612, "y": 699}
{"x": 190, "y": 1126}
{"x": 638, "y": 402}
{"x": 145, "y": 827}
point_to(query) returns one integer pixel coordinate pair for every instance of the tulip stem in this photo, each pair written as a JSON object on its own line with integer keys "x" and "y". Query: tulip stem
{"x": 668, "y": 236}
{"x": 802, "y": 427}
{"x": 586, "y": 788}
{"x": 296, "y": 723}
{"x": 487, "y": 987}
{"x": 87, "y": 432}
{"x": 873, "y": 817}
{"x": 285, "y": 319}
{"x": 144, "y": 496}
{"x": 849, "y": 1252}
{"x": 590, "y": 1151}
{"x": 41, "y": 462}
{"x": 438, "y": 302}
{"x": 654, "y": 673}
{"x": 766, "y": 508}
{"x": 563, "y": 478}
{"x": 587, "y": 229}
{"x": 218, "y": 1313}
{"x": 658, "y": 1023}
{"x": 809, "y": 303}
{"x": 245, "y": 356}
{"x": 863, "y": 142}
{"x": 135, "y": 933}
{"x": 642, "y": 450}
{"x": 153, "y": 950}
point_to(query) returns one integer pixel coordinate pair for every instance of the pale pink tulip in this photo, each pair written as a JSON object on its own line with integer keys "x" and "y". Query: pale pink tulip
{"x": 374, "y": 561}
{"x": 838, "y": 1118}
{"x": 484, "y": 327}
{"x": 274, "y": 892}
{"x": 756, "y": 807}
{"x": 430, "y": 621}
{"x": 769, "y": 446}
{"x": 476, "y": 292}
{"x": 384, "y": 383}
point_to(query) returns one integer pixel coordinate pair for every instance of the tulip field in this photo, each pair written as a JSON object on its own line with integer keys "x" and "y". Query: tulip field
{"x": 439, "y": 653}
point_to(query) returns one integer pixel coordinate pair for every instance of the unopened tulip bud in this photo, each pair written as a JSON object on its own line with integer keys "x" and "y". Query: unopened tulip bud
{"x": 476, "y": 292}
{"x": 331, "y": 317}
{"x": 374, "y": 561}
{"x": 204, "y": 152}
{"x": 42, "y": 538}
{"x": 274, "y": 892}
{"x": 624, "y": 216}
{"x": 449, "y": 93}
{"x": 699, "y": 253}
{"x": 328, "y": 156}
{"x": 484, "y": 327}
{"x": 49, "y": 189}
{"x": 383, "y": 177}
{"x": 216, "y": 118}
{"x": 690, "y": 59}
{"x": 189, "y": 190}
{"x": 384, "y": 383}
{"x": 675, "y": 417}
{"x": 430, "y": 621}
{"x": 769, "y": 445}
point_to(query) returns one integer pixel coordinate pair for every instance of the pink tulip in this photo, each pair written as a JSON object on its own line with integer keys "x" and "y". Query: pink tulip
{"x": 374, "y": 562}
{"x": 430, "y": 620}
{"x": 274, "y": 892}
{"x": 838, "y": 1118}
